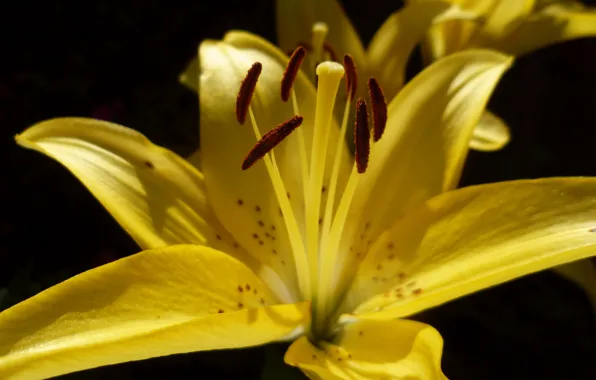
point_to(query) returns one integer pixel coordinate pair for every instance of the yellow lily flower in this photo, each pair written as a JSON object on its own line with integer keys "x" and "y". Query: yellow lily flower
{"x": 386, "y": 56}
{"x": 511, "y": 26}
{"x": 235, "y": 258}
{"x": 514, "y": 27}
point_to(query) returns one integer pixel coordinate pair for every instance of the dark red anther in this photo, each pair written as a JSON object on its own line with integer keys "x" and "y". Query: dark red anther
{"x": 329, "y": 49}
{"x": 361, "y": 136}
{"x": 379, "y": 108}
{"x": 270, "y": 140}
{"x": 291, "y": 71}
{"x": 247, "y": 89}
{"x": 351, "y": 76}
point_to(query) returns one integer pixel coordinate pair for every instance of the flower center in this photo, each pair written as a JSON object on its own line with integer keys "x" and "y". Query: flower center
{"x": 316, "y": 246}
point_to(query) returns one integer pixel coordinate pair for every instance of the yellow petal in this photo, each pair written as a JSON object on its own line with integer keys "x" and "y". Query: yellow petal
{"x": 425, "y": 143}
{"x": 392, "y": 44}
{"x": 157, "y": 197}
{"x": 469, "y": 239}
{"x": 553, "y": 24}
{"x": 454, "y": 35}
{"x": 245, "y": 201}
{"x": 158, "y": 302}
{"x": 190, "y": 76}
{"x": 366, "y": 349}
{"x": 505, "y": 16}
{"x": 295, "y": 19}
{"x": 490, "y": 134}
{"x": 242, "y": 40}
{"x": 583, "y": 274}
{"x": 447, "y": 38}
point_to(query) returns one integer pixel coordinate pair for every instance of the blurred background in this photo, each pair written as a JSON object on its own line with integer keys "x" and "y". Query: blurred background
{"x": 119, "y": 61}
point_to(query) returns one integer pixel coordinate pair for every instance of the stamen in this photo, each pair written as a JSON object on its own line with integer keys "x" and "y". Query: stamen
{"x": 330, "y": 74}
{"x": 379, "y": 108}
{"x": 286, "y": 211}
{"x": 291, "y": 71}
{"x": 247, "y": 89}
{"x": 319, "y": 33}
{"x": 270, "y": 140}
{"x": 351, "y": 76}
{"x": 307, "y": 46}
{"x": 329, "y": 49}
{"x": 361, "y": 136}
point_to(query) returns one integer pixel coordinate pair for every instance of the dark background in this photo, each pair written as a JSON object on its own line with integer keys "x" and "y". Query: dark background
{"x": 119, "y": 60}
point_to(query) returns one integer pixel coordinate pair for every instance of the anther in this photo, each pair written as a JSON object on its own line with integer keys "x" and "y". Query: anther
{"x": 291, "y": 71}
{"x": 351, "y": 76}
{"x": 247, "y": 89}
{"x": 329, "y": 50}
{"x": 379, "y": 108}
{"x": 270, "y": 140}
{"x": 361, "y": 136}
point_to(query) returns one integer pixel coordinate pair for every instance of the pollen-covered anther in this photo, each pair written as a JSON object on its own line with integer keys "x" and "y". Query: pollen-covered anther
{"x": 379, "y": 108}
{"x": 270, "y": 140}
{"x": 361, "y": 136}
{"x": 247, "y": 89}
{"x": 351, "y": 76}
{"x": 291, "y": 71}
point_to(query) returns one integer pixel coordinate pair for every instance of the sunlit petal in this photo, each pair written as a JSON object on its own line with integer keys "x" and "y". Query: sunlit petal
{"x": 244, "y": 200}
{"x": 366, "y": 349}
{"x": 155, "y": 303}
{"x": 553, "y": 24}
{"x": 504, "y": 17}
{"x": 295, "y": 19}
{"x": 425, "y": 144}
{"x": 490, "y": 134}
{"x": 157, "y": 197}
{"x": 469, "y": 239}
{"x": 392, "y": 44}
{"x": 454, "y": 35}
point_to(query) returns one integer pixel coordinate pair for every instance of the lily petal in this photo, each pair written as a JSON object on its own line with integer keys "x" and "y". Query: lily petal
{"x": 555, "y": 23}
{"x": 158, "y": 302}
{"x": 505, "y": 16}
{"x": 295, "y": 19}
{"x": 490, "y": 134}
{"x": 583, "y": 274}
{"x": 190, "y": 76}
{"x": 245, "y": 201}
{"x": 469, "y": 239}
{"x": 392, "y": 44}
{"x": 367, "y": 349}
{"x": 453, "y": 35}
{"x": 155, "y": 195}
{"x": 425, "y": 143}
